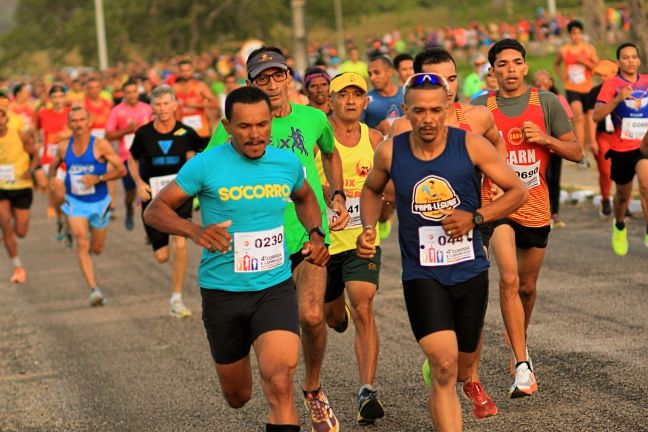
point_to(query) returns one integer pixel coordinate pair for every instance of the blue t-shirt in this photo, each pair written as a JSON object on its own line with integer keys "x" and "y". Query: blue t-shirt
{"x": 253, "y": 194}
{"x": 381, "y": 108}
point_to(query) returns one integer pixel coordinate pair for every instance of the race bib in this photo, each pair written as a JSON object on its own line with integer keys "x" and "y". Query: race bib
{"x": 634, "y": 128}
{"x": 258, "y": 251}
{"x": 353, "y": 207}
{"x": 576, "y": 73}
{"x": 78, "y": 187}
{"x": 7, "y": 173}
{"x": 99, "y": 133}
{"x": 128, "y": 140}
{"x": 529, "y": 174}
{"x": 193, "y": 121}
{"x": 436, "y": 248}
{"x": 52, "y": 149}
{"x": 157, "y": 183}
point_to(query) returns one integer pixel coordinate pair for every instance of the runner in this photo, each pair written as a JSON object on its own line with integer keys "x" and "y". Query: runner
{"x": 124, "y": 120}
{"x": 298, "y": 129}
{"x": 474, "y": 82}
{"x": 445, "y": 269}
{"x": 194, "y": 98}
{"x": 602, "y": 132}
{"x": 533, "y": 123}
{"x": 480, "y": 121}
{"x": 580, "y": 58}
{"x": 346, "y": 271}
{"x": 23, "y": 106}
{"x": 625, "y": 98}
{"x": 385, "y": 99}
{"x": 87, "y": 202}
{"x": 52, "y": 124}
{"x": 404, "y": 65}
{"x": 354, "y": 64}
{"x": 160, "y": 148}
{"x": 247, "y": 293}
{"x": 316, "y": 83}
{"x": 18, "y": 159}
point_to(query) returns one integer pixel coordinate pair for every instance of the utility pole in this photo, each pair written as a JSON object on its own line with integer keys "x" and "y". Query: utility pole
{"x": 339, "y": 28}
{"x": 551, "y": 7}
{"x": 299, "y": 34}
{"x": 101, "y": 35}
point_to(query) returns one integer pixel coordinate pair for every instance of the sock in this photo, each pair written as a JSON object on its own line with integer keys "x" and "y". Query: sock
{"x": 281, "y": 428}
{"x": 519, "y": 363}
{"x": 366, "y": 386}
{"x": 176, "y": 296}
{"x": 16, "y": 261}
{"x": 620, "y": 225}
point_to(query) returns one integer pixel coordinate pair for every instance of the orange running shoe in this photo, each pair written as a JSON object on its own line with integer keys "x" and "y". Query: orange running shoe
{"x": 19, "y": 276}
{"x": 483, "y": 405}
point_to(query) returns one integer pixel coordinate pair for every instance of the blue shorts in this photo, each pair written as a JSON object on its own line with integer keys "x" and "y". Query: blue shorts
{"x": 97, "y": 212}
{"x": 127, "y": 180}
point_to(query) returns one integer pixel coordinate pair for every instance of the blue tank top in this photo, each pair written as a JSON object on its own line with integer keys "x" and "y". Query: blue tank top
{"x": 423, "y": 188}
{"x": 77, "y": 167}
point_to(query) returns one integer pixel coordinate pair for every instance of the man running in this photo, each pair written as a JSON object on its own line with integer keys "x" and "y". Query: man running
{"x": 87, "y": 202}
{"x": 298, "y": 129}
{"x": 316, "y": 85}
{"x": 194, "y": 98}
{"x": 122, "y": 123}
{"x": 18, "y": 160}
{"x": 404, "y": 65}
{"x": 445, "y": 268}
{"x": 625, "y": 97}
{"x": 580, "y": 58}
{"x": 346, "y": 271}
{"x": 385, "y": 99}
{"x": 479, "y": 121}
{"x": 247, "y": 292}
{"x": 533, "y": 123}
{"x": 160, "y": 148}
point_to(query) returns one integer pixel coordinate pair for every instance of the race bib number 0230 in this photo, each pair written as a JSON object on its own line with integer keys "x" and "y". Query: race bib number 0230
{"x": 436, "y": 248}
{"x": 259, "y": 250}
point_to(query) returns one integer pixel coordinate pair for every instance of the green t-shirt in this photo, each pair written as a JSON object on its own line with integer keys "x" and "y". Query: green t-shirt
{"x": 298, "y": 132}
{"x": 472, "y": 84}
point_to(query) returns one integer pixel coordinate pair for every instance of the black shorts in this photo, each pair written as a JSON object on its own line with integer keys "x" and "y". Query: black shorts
{"x": 348, "y": 266}
{"x": 18, "y": 198}
{"x": 527, "y": 237}
{"x": 624, "y": 165}
{"x": 234, "y": 320}
{"x": 584, "y": 99}
{"x": 296, "y": 259}
{"x": 486, "y": 231}
{"x": 158, "y": 238}
{"x": 434, "y": 307}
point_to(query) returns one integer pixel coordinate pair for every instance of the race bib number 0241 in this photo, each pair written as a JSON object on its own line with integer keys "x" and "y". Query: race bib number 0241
{"x": 436, "y": 248}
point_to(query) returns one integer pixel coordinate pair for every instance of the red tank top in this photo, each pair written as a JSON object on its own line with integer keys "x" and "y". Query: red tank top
{"x": 527, "y": 159}
{"x": 193, "y": 117}
{"x": 461, "y": 116}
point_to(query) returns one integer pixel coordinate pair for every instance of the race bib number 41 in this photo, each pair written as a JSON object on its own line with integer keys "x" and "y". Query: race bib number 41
{"x": 529, "y": 174}
{"x": 258, "y": 251}
{"x": 353, "y": 207}
{"x": 436, "y": 248}
{"x": 634, "y": 128}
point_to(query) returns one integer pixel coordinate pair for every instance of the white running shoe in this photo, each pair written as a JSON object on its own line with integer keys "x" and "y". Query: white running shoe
{"x": 179, "y": 310}
{"x": 525, "y": 383}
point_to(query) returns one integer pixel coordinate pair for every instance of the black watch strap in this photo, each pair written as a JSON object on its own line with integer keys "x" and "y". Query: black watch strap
{"x": 318, "y": 231}
{"x": 338, "y": 192}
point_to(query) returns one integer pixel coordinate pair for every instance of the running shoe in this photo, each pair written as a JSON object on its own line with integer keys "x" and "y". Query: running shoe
{"x": 606, "y": 208}
{"x": 129, "y": 222}
{"x": 369, "y": 407}
{"x": 513, "y": 360}
{"x": 525, "y": 383}
{"x": 482, "y": 405}
{"x": 60, "y": 231}
{"x": 556, "y": 222}
{"x": 19, "y": 275}
{"x": 322, "y": 417}
{"x": 620, "y": 240}
{"x": 341, "y": 328}
{"x": 384, "y": 229}
{"x": 96, "y": 298}
{"x": 179, "y": 310}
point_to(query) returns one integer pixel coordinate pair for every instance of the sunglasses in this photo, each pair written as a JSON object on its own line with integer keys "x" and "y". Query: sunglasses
{"x": 278, "y": 76}
{"x": 420, "y": 79}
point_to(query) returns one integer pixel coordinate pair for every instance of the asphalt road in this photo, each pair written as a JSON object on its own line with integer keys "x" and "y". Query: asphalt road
{"x": 129, "y": 366}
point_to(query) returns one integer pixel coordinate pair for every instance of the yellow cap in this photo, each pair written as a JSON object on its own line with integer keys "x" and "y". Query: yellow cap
{"x": 346, "y": 80}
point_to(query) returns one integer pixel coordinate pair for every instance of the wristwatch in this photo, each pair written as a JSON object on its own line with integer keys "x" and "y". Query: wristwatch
{"x": 477, "y": 218}
{"x": 318, "y": 231}
{"x": 102, "y": 178}
{"x": 338, "y": 192}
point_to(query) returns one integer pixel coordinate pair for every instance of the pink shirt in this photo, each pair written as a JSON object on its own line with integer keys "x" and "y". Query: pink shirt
{"x": 565, "y": 104}
{"x": 121, "y": 116}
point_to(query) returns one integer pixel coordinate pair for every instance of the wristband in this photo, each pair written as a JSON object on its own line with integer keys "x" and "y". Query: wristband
{"x": 338, "y": 192}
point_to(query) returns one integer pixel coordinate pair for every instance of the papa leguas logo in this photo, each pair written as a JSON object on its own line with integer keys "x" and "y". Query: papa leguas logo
{"x": 431, "y": 196}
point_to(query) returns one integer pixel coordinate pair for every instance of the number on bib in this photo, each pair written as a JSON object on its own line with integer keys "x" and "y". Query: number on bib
{"x": 436, "y": 248}
{"x": 258, "y": 251}
{"x": 157, "y": 183}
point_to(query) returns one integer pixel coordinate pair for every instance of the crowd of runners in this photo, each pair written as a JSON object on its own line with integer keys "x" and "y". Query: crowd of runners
{"x": 296, "y": 191}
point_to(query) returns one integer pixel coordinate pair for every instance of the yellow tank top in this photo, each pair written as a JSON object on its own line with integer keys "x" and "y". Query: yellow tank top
{"x": 357, "y": 161}
{"x": 14, "y": 162}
